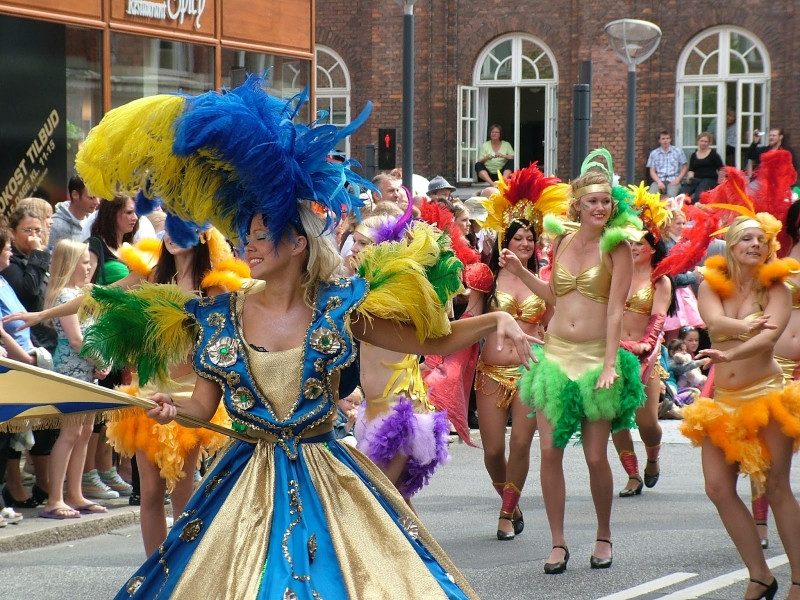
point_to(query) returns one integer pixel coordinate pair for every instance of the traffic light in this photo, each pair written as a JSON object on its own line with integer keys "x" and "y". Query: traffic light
{"x": 387, "y": 149}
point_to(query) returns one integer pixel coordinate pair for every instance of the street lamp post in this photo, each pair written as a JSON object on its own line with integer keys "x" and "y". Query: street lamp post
{"x": 633, "y": 41}
{"x": 408, "y": 91}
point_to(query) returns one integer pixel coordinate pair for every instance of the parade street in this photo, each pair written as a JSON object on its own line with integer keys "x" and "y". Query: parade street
{"x": 668, "y": 543}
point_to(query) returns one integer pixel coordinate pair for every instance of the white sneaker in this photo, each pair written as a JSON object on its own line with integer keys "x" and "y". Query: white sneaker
{"x": 112, "y": 480}
{"x": 93, "y": 487}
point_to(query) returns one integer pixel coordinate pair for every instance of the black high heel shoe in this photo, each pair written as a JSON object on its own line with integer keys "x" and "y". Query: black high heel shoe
{"x": 505, "y": 536}
{"x": 519, "y": 524}
{"x": 13, "y": 503}
{"x": 560, "y": 566}
{"x": 769, "y": 590}
{"x": 601, "y": 563}
{"x": 652, "y": 480}
{"x": 628, "y": 492}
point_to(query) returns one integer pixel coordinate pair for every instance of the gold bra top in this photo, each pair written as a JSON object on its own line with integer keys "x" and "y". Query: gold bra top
{"x": 593, "y": 283}
{"x": 795, "y": 290}
{"x": 716, "y": 338}
{"x": 641, "y": 301}
{"x": 529, "y": 310}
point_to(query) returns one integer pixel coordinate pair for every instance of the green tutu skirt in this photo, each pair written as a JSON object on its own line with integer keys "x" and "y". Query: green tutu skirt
{"x": 566, "y": 402}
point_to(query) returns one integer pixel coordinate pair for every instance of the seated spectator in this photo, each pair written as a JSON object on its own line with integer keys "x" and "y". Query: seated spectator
{"x": 495, "y": 155}
{"x": 704, "y": 168}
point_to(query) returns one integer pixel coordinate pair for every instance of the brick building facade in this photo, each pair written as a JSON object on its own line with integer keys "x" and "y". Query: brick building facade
{"x": 682, "y": 87}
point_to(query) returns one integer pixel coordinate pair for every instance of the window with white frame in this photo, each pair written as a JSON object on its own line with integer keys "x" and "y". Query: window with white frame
{"x": 723, "y": 88}
{"x": 333, "y": 92}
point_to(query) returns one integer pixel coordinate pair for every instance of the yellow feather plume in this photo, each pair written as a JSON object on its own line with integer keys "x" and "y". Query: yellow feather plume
{"x": 142, "y": 257}
{"x": 167, "y": 320}
{"x": 137, "y": 134}
{"x": 399, "y": 288}
{"x": 649, "y": 206}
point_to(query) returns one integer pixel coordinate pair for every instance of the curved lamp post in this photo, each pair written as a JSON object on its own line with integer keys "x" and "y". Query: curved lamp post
{"x": 408, "y": 91}
{"x": 633, "y": 41}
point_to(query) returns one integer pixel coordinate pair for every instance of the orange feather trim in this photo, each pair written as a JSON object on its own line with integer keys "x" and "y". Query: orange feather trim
{"x": 715, "y": 272}
{"x": 226, "y": 280}
{"x": 165, "y": 446}
{"x": 228, "y": 275}
{"x": 141, "y": 258}
{"x": 778, "y": 271}
{"x": 736, "y": 431}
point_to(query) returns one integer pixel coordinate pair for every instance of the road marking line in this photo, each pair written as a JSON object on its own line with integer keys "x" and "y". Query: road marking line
{"x": 649, "y": 587}
{"x": 720, "y": 582}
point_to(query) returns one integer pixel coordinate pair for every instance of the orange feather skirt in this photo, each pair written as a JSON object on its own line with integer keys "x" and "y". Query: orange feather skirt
{"x": 166, "y": 446}
{"x": 734, "y": 419}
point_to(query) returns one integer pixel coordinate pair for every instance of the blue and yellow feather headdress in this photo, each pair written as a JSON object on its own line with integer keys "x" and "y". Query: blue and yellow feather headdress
{"x": 222, "y": 158}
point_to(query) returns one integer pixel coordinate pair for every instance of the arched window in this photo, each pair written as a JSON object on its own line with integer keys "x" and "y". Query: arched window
{"x": 333, "y": 91}
{"x": 723, "y": 88}
{"x": 515, "y": 85}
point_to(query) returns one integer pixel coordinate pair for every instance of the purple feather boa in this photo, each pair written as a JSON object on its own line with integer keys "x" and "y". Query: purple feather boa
{"x": 421, "y": 437}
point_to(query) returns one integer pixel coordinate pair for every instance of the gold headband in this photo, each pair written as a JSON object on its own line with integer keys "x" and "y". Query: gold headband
{"x": 591, "y": 189}
{"x": 366, "y": 232}
{"x": 744, "y": 224}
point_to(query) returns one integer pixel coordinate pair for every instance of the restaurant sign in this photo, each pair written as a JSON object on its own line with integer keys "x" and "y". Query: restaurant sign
{"x": 173, "y": 10}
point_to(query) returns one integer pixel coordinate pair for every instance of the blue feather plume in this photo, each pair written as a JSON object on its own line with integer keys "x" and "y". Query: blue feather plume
{"x": 264, "y": 162}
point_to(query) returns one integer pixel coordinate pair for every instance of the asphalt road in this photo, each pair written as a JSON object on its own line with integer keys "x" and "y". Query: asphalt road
{"x": 668, "y": 543}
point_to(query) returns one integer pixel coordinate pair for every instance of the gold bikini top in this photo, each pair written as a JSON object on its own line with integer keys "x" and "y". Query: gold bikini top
{"x": 795, "y": 290}
{"x": 593, "y": 283}
{"x": 641, "y": 301}
{"x": 529, "y": 310}
{"x": 718, "y": 338}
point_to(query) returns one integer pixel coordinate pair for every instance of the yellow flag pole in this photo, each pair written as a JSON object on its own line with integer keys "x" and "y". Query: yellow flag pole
{"x": 49, "y": 383}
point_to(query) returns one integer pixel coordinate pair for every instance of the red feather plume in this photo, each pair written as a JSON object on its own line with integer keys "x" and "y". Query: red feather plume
{"x": 435, "y": 214}
{"x": 527, "y": 183}
{"x": 691, "y": 248}
{"x": 775, "y": 177}
{"x": 464, "y": 252}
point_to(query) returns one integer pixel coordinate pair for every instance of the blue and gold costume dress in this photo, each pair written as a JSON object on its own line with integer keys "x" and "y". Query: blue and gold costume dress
{"x": 298, "y": 514}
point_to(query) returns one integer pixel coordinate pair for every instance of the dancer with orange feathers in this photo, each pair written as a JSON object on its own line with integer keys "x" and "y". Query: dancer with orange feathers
{"x": 752, "y": 424}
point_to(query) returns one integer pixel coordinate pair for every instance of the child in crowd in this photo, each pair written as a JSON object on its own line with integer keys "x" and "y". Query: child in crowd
{"x": 686, "y": 372}
{"x": 690, "y": 335}
{"x": 70, "y": 270}
{"x": 347, "y": 409}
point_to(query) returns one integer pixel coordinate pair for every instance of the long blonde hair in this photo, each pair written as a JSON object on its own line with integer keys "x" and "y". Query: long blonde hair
{"x": 324, "y": 262}
{"x": 66, "y": 256}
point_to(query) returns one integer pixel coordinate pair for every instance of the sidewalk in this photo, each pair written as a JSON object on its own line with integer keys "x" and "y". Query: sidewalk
{"x": 35, "y": 532}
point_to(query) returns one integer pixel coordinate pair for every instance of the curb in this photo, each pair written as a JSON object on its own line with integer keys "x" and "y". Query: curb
{"x": 35, "y": 532}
